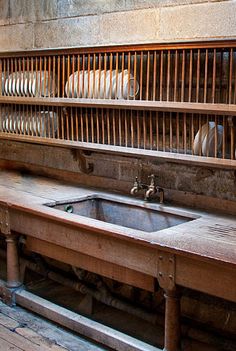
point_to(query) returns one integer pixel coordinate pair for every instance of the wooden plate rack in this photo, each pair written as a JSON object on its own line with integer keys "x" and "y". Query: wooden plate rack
{"x": 172, "y": 101}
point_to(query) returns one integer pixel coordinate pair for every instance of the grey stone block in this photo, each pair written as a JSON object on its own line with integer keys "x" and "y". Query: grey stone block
{"x": 4, "y": 12}
{"x": 81, "y": 31}
{"x": 210, "y": 20}
{"x": 103, "y": 168}
{"x": 25, "y": 11}
{"x": 16, "y": 37}
{"x": 76, "y": 8}
{"x": 129, "y": 27}
{"x": 128, "y": 170}
{"x": 142, "y": 4}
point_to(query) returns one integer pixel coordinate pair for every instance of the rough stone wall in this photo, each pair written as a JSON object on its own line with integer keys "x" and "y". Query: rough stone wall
{"x": 27, "y": 24}
{"x": 183, "y": 183}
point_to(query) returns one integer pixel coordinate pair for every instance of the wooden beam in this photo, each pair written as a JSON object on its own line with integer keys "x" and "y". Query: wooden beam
{"x": 92, "y": 264}
{"x": 165, "y": 106}
{"x": 82, "y": 325}
{"x": 121, "y": 48}
{"x": 210, "y": 278}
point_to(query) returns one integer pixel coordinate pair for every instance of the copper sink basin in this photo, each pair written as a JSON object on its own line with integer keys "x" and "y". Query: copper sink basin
{"x": 134, "y": 215}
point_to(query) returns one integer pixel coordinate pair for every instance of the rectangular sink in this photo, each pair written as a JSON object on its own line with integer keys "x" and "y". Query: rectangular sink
{"x": 129, "y": 215}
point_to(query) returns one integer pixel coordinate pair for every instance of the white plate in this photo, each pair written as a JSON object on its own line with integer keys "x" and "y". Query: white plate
{"x": 6, "y": 86}
{"x": 18, "y": 83}
{"x": 14, "y": 79}
{"x": 18, "y": 86}
{"x": 69, "y": 86}
{"x": 42, "y": 86}
{"x": 80, "y": 85}
{"x": 44, "y": 123}
{"x": 199, "y": 137}
{"x": 13, "y": 85}
{"x": 208, "y": 144}
{"x": 26, "y": 84}
{"x": 22, "y": 84}
{"x": 10, "y": 85}
{"x": 204, "y": 141}
{"x": 101, "y": 84}
{"x": 31, "y": 79}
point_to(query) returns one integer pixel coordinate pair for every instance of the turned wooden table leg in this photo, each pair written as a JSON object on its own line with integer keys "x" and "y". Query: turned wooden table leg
{"x": 172, "y": 321}
{"x": 13, "y": 269}
{"x": 166, "y": 267}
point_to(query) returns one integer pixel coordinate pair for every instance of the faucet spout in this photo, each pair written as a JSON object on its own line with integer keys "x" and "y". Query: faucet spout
{"x": 134, "y": 190}
{"x": 138, "y": 185}
{"x": 150, "y": 192}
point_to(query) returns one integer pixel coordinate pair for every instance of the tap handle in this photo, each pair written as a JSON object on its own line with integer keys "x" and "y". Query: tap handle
{"x": 137, "y": 182}
{"x": 152, "y": 177}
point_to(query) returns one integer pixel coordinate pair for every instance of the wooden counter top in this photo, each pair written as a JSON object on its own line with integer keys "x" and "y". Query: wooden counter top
{"x": 199, "y": 254}
{"x": 209, "y": 237}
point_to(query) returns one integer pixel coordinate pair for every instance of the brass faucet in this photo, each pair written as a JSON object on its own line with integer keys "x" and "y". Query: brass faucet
{"x": 138, "y": 185}
{"x": 151, "y": 189}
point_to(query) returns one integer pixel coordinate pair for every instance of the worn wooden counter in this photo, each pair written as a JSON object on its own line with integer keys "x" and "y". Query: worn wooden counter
{"x": 199, "y": 254}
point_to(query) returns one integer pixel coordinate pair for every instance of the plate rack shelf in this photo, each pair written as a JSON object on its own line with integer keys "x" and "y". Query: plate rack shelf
{"x": 175, "y": 102}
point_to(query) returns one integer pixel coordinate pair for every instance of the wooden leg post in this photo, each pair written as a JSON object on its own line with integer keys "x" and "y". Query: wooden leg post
{"x": 166, "y": 279}
{"x": 13, "y": 269}
{"x": 172, "y": 321}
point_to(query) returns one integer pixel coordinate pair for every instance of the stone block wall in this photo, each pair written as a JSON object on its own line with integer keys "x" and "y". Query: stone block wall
{"x": 27, "y": 24}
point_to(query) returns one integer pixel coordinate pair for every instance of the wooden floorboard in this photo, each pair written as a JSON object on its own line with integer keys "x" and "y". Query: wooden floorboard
{"x": 7, "y": 346}
{"x": 11, "y": 337}
{"x": 21, "y": 330}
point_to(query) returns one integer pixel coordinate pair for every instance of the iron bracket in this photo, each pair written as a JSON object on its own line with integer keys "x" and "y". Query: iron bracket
{"x": 80, "y": 157}
{"x": 8, "y": 295}
{"x": 166, "y": 270}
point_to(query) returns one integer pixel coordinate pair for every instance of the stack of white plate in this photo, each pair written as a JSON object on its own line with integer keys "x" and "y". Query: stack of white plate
{"x": 100, "y": 84}
{"x": 204, "y": 141}
{"x": 12, "y": 84}
{"x": 43, "y": 124}
{"x": 30, "y": 84}
{"x": 42, "y": 84}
